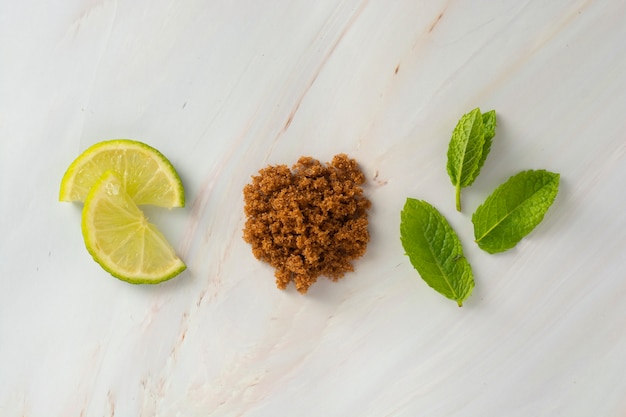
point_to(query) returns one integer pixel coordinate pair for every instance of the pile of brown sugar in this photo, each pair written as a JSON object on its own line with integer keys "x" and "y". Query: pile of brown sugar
{"x": 308, "y": 221}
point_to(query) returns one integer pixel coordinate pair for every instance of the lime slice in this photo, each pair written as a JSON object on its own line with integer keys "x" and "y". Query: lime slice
{"x": 146, "y": 175}
{"x": 120, "y": 239}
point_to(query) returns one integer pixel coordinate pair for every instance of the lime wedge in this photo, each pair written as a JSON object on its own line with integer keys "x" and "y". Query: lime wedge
{"x": 146, "y": 175}
{"x": 118, "y": 236}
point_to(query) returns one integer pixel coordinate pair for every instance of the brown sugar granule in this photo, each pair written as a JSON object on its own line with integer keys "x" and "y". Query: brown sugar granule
{"x": 308, "y": 221}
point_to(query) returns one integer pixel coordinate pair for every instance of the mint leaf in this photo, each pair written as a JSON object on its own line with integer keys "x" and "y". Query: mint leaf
{"x": 514, "y": 209}
{"x": 435, "y": 250}
{"x": 489, "y": 123}
{"x": 468, "y": 148}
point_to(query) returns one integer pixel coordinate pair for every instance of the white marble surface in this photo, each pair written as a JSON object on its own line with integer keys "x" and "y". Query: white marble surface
{"x": 224, "y": 88}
